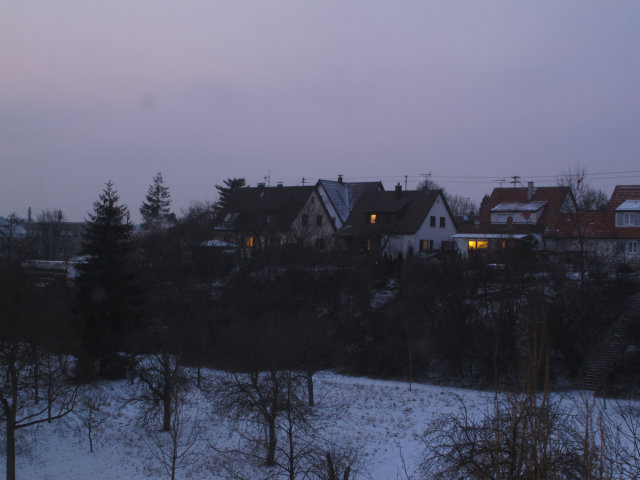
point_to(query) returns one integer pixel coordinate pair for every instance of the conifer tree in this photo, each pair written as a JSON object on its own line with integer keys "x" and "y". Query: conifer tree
{"x": 225, "y": 191}
{"x": 106, "y": 291}
{"x": 155, "y": 209}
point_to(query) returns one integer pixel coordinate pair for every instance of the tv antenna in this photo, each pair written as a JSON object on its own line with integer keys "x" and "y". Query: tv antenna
{"x": 515, "y": 181}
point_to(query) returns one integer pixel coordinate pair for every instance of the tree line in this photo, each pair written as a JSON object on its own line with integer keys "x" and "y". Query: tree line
{"x": 145, "y": 307}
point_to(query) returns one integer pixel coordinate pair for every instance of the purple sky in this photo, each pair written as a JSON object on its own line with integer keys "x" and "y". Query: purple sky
{"x": 202, "y": 90}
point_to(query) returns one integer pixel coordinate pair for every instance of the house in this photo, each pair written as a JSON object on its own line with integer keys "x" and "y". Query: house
{"x": 340, "y": 197}
{"x": 262, "y": 217}
{"x": 613, "y": 234}
{"x": 397, "y": 222}
{"x": 531, "y": 218}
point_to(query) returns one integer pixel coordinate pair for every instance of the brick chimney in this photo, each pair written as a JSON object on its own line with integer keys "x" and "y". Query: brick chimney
{"x": 530, "y": 191}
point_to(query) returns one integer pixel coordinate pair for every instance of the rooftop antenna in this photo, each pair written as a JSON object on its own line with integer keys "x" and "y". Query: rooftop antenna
{"x": 267, "y": 178}
{"x": 426, "y": 176}
{"x": 500, "y": 181}
{"x": 405, "y": 183}
{"x": 303, "y": 181}
{"x": 515, "y": 181}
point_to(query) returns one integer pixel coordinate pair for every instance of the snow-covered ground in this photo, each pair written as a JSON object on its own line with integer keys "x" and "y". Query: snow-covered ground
{"x": 378, "y": 420}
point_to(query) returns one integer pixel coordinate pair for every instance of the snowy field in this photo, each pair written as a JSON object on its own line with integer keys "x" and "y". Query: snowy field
{"x": 377, "y": 421}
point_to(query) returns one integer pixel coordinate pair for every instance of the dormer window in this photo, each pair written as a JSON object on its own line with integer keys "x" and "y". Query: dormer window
{"x": 627, "y": 219}
{"x": 628, "y": 214}
{"x": 373, "y": 218}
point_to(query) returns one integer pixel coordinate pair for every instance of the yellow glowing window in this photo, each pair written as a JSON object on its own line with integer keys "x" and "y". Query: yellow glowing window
{"x": 372, "y": 218}
{"x": 249, "y": 242}
{"x": 478, "y": 244}
{"x": 368, "y": 245}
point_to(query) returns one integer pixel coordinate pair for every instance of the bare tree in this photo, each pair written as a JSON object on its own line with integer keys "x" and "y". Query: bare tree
{"x": 262, "y": 397}
{"x": 174, "y": 448}
{"x": 50, "y": 230}
{"x": 164, "y": 383}
{"x": 91, "y": 412}
{"x": 587, "y": 197}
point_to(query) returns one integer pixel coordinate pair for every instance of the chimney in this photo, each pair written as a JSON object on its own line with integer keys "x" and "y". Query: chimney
{"x": 280, "y": 184}
{"x": 398, "y": 190}
{"x": 530, "y": 191}
{"x": 340, "y": 179}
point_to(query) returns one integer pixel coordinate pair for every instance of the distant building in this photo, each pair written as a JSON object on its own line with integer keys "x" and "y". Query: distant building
{"x": 397, "y": 222}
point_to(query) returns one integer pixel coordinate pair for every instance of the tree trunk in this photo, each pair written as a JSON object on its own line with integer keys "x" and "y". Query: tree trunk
{"x": 11, "y": 447}
{"x": 166, "y": 404}
{"x": 310, "y": 388}
{"x": 271, "y": 444}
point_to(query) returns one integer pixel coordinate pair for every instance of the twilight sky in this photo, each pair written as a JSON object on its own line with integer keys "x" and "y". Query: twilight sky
{"x": 201, "y": 90}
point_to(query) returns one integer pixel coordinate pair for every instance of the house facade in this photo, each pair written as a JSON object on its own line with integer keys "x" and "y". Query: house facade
{"x": 397, "y": 222}
{"x": 514, "y": 219}
{"x": 612, "y": 235}
{"x": 340, "y": 197}
{"x": 268, "y": 217}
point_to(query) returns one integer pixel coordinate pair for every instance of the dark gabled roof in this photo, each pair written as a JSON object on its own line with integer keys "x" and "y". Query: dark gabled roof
{"x": 344, "y": 195}
{"x": 398, "y": 213}
{"x": 264, "y": 208}
{"x": 553, "y": 217}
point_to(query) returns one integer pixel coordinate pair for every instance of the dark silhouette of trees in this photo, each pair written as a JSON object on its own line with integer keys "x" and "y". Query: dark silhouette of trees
{"x": 106, "y": 290}
{"x": 51, "y": 233}
{"x": 27, "y": 362}
{"x": 155, "y": 210}
{"x": 225, "y": 190}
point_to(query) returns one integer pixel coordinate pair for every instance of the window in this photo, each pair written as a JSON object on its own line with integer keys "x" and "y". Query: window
{"x": 248, "y": 242}
{"x": 627, "y": 219}
{"x": 305, "y": 220}
{"x": 373, "y": 218}
{"x": 268, "y": 220}
{"x": 432, "y": 221}
{"x": 478, "y": 244}
{"x": 442, "y": 222}
{"x": 426, "y": 245}
{"x": 319, "y": 220}
{"x": 632, "y": 247}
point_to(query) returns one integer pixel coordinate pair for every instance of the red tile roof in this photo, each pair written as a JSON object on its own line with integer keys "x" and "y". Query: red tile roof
{"x": 603, "y": 224}
{"x": 553, "y": 219}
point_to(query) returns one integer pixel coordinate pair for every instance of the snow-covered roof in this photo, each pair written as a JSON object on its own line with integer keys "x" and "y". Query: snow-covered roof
{"x": 629, "y": 206}
{"x": 519, "y": 206}
{"x": 344, "y": 195}
{"x": 218, "y": 243}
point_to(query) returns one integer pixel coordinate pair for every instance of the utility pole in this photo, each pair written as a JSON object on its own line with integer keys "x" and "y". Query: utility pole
{"x": 405, "y": 183}
{"x": 515, "y": 181}
{"x": 303, "y": 181}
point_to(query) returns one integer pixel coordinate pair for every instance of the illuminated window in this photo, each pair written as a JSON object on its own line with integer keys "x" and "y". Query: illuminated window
{"x": 368, "y": 245}
{"x": 478, "y": 244}
{"x": 248, "y": 242}
{"x": 426, "y": 245}
{"x": 372, "y": 218}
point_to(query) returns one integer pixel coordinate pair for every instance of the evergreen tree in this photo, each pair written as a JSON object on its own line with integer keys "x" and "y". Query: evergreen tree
{"x": 155, "y": 210}
{"x": 225, "y": 191}
{"x": 106, "y": 292}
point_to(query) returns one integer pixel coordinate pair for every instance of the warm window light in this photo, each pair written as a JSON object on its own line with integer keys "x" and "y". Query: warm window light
{"x": 249, "y": 242}
{"x": 372, "y": 218}
{"x": 478, "y": 244}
